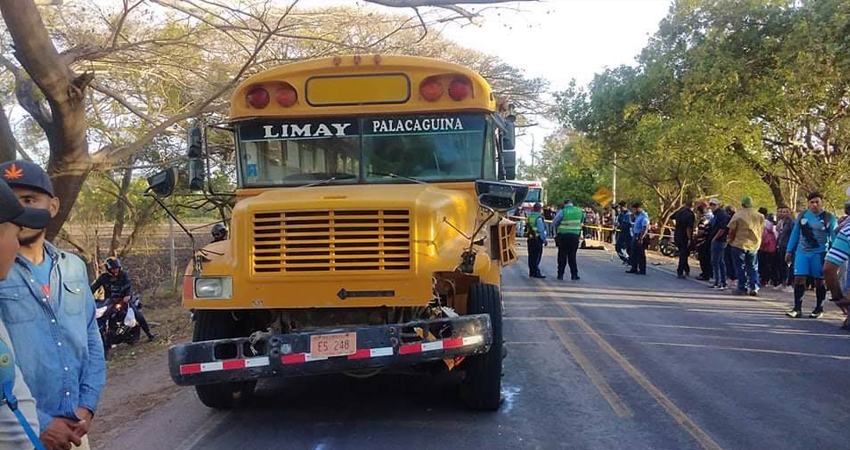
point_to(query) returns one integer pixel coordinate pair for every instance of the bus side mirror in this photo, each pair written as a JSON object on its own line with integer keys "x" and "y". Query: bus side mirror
{"x": 194, "y": 139}
{"x": 163, "y": 183}
{"x": 196, "y": 164}
{"x": 509, "y": 164}
{"x": 500, "y": 196}
{"x": 509, "y": 134}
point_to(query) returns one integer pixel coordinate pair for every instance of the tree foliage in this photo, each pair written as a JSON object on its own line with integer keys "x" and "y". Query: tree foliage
{"x": 757, "y": 89}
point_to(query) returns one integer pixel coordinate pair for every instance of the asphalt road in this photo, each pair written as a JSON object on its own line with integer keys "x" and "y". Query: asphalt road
{"x": 614, "y": 361}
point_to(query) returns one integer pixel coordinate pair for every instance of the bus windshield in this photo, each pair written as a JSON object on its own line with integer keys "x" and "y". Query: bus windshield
{"x": 533, "y": 195}
{"x": 371, "y": 150}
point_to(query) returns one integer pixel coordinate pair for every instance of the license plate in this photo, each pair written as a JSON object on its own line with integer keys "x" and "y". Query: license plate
{"x": 329, "y": 345}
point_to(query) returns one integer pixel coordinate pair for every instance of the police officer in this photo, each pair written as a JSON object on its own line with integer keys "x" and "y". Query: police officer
{"x": 624, "y": 232}
{"x": 116, "y": 286}
{"x": 536, "y": 240}
{"x": 567, "y": 224}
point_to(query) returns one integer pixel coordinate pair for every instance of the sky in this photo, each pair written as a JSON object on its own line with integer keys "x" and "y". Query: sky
{"x": 563, "y": 39}
{"x": 559, "y": 40}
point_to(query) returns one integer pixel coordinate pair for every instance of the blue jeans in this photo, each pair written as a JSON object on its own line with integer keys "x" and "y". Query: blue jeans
{"x": 718, "y": 263}
{"x": 747, "y": 268}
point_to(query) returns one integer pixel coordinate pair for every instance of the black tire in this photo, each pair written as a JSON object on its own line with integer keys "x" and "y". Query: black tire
{"x": 220, "y": 325}
{"x": 135, "y": 335}
{"x": 106, "y": 345}
{"x": 482, "y": 387}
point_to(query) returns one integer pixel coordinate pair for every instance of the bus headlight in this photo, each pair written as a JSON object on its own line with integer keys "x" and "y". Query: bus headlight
{"x": 214, "y": 288}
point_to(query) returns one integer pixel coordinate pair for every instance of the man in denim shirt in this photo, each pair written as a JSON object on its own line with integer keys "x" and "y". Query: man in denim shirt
{"x": 50, "y": 314}
{"x": 13, "y": 217}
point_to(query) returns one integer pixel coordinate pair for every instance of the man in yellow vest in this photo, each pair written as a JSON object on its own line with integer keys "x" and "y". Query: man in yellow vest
{"x": 536, "y": 240}
{"x": 567, "y": 225}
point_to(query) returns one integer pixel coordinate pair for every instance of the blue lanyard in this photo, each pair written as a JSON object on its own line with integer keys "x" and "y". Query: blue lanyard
{"x": 10, "y": 400}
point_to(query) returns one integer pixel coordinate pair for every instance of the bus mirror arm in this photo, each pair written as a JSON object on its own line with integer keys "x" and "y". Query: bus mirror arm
{"x": 196, "y": 256}
{"x": 467, "y": 258}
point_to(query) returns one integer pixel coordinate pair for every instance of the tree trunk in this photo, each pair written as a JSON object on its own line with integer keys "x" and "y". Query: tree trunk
{"x": 121, "y": 209}
{"x": 769, "y": 178}
{"x": 8, "y": 143}
{"x": 69, "y": 162}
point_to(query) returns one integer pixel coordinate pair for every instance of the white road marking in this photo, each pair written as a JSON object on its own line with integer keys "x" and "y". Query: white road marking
{"x": 752, "y": 350}
{"x": 216, "y": 418}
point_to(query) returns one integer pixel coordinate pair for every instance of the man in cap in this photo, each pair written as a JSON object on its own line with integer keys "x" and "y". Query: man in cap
{"x": 48, "y": 307}
{"x": 536, "y": 240}
{"x": 14, "y": 217}
{"x": 567, "y": 225}
{"x": 745, "y": 230}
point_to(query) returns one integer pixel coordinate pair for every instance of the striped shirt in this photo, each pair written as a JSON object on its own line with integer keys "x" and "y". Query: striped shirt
{"x": 840, "y": 251}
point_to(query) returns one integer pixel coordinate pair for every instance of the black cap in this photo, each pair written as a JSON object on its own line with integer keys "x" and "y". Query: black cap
{"x": 12, "y": 211}
{"x": 26, "y": 174}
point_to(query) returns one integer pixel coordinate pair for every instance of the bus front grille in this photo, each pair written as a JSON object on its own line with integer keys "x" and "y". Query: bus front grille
{"x": 310, "y": 242}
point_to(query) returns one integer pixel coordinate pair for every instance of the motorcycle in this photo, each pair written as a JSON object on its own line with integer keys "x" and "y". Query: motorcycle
{"x": 117, "y": 322}
{"x": 668, "y": 247}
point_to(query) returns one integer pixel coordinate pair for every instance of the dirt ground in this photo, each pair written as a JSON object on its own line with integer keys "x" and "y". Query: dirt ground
{"x": 137, "y": 376}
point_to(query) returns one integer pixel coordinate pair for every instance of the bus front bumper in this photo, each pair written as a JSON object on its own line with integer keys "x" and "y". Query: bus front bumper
{"x": 282, "y": 355}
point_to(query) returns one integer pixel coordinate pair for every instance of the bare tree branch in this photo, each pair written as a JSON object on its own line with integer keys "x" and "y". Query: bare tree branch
{"x": 120, "y": 99}
{"x": 439, "y": 3}
{"x": 9, "y": 146}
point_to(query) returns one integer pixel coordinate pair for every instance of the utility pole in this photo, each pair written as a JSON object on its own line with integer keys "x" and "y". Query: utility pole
{"x": 532, "y": 152}
{"x": 172, "y": 255}
{"x": 614, "y": 183}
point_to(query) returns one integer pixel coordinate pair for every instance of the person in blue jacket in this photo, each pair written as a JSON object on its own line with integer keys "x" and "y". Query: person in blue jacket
{"x": 537, "y": 238}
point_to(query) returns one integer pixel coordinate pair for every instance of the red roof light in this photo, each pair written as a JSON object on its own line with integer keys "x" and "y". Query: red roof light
{"x": 460, "y": 88}
{"x": 431, "y": 89}
{"x": 286, "y": 95}
{"x": 258, "y": 97}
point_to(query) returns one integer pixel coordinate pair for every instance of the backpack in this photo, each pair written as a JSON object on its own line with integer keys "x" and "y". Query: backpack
{"x": 768, "y": 241}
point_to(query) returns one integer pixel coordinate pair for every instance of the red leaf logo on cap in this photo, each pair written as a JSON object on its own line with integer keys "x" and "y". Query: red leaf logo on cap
{"x": 13, "y": 173}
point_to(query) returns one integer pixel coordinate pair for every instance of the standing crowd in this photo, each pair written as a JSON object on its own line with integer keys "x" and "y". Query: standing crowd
{"x": 752, "y": 249}
{"x": 740, "y": 247}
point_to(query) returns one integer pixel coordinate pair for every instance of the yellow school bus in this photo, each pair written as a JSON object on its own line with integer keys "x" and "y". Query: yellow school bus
{"x": 368, "y": 232}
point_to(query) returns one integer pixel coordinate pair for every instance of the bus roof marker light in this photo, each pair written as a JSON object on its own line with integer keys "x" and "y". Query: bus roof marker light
{"x": 431, "y": 89}
{"x": 357, "y": 59}
{"x": 337, "y": 61}
{"x": 460, "y": 88}
{"x": 258, "y": 97}
{"x": 286, "y": 95}
{"x": 377, "y": 59}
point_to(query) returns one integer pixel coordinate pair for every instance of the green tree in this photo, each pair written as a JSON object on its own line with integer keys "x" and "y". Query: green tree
{"x": 727, "y": 92}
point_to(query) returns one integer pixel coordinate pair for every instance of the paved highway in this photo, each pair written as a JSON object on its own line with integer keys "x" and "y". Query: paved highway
{"x": 614, "y": 361}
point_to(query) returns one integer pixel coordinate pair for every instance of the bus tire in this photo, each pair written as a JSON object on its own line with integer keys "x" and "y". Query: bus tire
{"x": 481, "y": 390}
{"x": 220, "y": 325}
